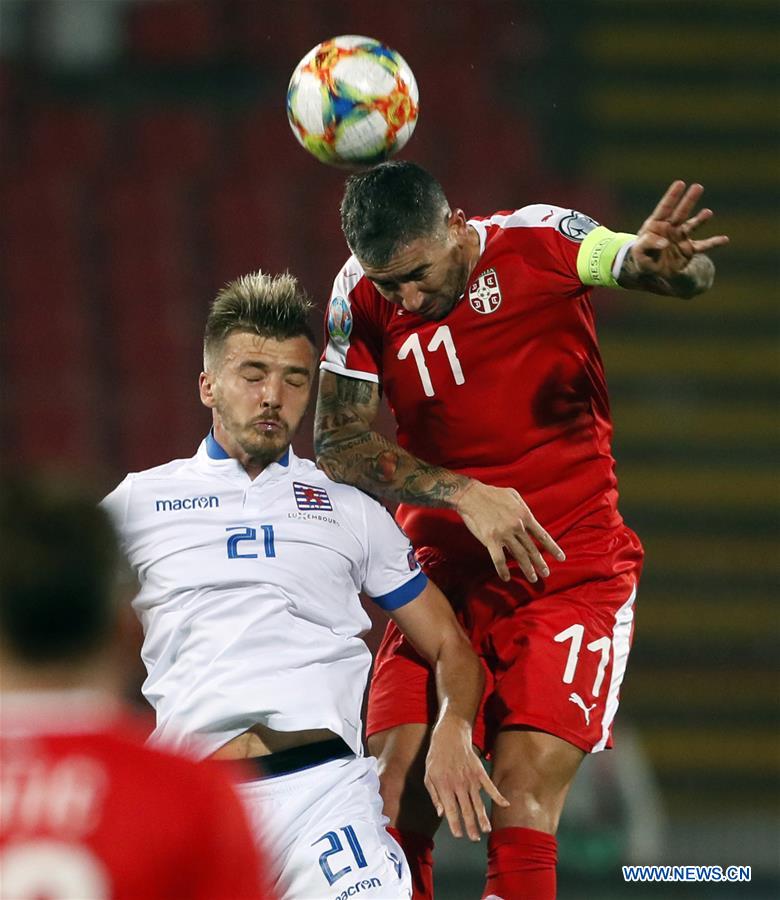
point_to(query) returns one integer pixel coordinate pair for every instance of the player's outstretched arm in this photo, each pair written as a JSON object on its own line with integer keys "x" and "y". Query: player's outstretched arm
{"x": 350, "y": 451}
{"x": 665, "y": 258}
{"x": 454, "y": 774}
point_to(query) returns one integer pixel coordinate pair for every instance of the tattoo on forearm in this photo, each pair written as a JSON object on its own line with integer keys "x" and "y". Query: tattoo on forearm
{"x": 695, "y": 278}
{"x": 353, "y": 390}
{"x": 379, "y": 467}
{"x": 332, "y": 415}
{"x": 632, "y": 278}
{"x": 348, "y": 450}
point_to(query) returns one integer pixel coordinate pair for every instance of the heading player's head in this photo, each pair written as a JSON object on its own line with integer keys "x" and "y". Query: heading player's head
{"x": 416, "y": 250}
{"x": 259, "y": 360}
{"x": 59, "y": 606}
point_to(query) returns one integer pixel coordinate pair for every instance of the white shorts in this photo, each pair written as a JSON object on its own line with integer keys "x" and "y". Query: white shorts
{"x": 323, "y": 830}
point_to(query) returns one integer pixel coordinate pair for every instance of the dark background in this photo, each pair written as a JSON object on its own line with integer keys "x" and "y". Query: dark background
{"x": 146, "y": 159}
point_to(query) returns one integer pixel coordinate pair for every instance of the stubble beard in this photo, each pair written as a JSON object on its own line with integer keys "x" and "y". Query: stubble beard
{"x": 459, "y": 281}
{"x": 264, "y": 450}
{"x": 260, "y": 448}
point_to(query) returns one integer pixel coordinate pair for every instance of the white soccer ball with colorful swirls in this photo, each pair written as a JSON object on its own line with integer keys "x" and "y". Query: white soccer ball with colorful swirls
{"x": 352, "y": 101}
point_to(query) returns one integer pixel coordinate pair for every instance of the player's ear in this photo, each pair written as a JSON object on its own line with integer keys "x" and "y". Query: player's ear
{"x": 206, "y": 389}
{"x": 457, "y": 222}
{"x": 457, "y": 219}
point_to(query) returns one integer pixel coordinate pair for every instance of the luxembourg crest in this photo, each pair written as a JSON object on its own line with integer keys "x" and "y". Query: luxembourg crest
{"x": 307, "y": 496}
{"x": 484, "y": 293}
{"x": 339, "y": 320}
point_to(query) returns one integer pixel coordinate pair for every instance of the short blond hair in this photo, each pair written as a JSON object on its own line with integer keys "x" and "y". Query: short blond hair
{"x": 269, "y": 305}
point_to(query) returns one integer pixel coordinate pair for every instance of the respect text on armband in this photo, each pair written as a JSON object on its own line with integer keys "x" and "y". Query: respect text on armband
{"x": 594, "y": 260}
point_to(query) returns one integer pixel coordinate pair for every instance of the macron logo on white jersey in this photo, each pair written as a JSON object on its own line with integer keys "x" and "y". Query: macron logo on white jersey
{"x": 186, "y": 503}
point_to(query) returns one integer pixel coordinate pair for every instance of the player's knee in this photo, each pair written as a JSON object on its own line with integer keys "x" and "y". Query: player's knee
{"x": 392, "y": 783}
{"x": 399, "y": 782}
{"x": 406, "y": 800}
{"x": 527, "y": 810}
{"x": 400, "y": 755}
{"x": 533, "y": 802}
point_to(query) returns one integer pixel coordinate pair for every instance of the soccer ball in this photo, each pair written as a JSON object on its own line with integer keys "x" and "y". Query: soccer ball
{"x": 352, "y": 101}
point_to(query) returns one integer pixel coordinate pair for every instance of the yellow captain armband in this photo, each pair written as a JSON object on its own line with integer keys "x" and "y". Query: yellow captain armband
{"x": 597, "y": 256}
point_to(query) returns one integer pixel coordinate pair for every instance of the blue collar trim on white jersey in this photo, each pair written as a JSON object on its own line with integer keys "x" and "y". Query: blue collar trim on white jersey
{"x": 216, "y": 451}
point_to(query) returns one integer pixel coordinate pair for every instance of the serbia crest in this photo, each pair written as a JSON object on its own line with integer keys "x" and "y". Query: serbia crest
{"x": 485, "y": 293}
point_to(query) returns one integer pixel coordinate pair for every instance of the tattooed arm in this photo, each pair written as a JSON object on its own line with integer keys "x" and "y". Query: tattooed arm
{"x": 350, "y": 451}
{"x": 665, "y": 259}
{"x": 694, "y": 278}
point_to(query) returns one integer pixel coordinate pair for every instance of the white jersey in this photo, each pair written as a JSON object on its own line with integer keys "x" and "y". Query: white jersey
{"x": 249, "y": 594}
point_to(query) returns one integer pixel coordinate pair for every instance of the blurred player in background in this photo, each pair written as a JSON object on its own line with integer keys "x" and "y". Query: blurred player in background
{"x": 251, "y": 562}
{"x": 481, "y": 334}
{"x": 87, "y": 810}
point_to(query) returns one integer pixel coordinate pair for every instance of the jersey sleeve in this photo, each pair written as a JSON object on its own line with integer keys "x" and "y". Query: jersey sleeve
{"x": 574, "y": 245}
{"x": 116, "y": 503}
{"x": 353, "y": 337}
{"x": 392, "y": 577}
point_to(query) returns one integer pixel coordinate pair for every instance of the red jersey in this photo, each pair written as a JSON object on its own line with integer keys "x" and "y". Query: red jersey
{"x": 509, "y": 387}
{"x": 88, "y": 811}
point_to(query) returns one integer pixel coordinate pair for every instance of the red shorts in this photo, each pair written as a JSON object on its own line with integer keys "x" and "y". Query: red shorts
{"x": 555, "y": 652}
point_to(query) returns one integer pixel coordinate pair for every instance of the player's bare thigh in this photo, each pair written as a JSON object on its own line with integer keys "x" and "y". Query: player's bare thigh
{"x": 401, "y": 753}
{"x": 534, "y": 768}
{"x": 534, "y": 771}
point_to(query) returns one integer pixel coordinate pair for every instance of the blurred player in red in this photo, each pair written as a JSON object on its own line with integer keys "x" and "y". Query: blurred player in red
{"x": 480, "y": 333}
{"x": 88, "y": 811}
